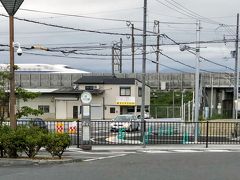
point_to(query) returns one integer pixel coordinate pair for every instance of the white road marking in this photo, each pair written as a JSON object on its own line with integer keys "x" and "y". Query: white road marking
{"x": 103, "y": 153}
{"x": 186, "y": 150}
{"x": 156, "y": 152}
{"x": 217, "y": 150}
{"x": 101, "y": 158}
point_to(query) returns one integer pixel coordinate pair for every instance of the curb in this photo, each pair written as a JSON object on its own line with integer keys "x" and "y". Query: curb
{"x": 6, "y": 162}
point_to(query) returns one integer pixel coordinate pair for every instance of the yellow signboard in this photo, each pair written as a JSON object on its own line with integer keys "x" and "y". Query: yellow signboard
{"x": 125, "y": 101}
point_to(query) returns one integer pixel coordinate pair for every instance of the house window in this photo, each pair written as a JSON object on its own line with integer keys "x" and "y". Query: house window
{"x": 112, "y": 110}
{"x": 80, "y": 110}
{"x": 138, "y": 108}
{"x": 44, "y": 108}
{"x": 125, "y": 91}
{"x": 130, "y": 109}
{"x": 139, "y": 91}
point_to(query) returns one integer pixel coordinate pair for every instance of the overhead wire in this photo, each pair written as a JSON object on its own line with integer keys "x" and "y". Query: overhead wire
{"x": 165, "y": 65}
{"x": 74, "y": 15}
{"x": 180, "y": 6}
{"x": 200, "y": 56}
{"x": 172, "y": 4}
{"x": 98, "y": 18}
{"x": 71, "y": 28}
{"x": 185, "y": 14}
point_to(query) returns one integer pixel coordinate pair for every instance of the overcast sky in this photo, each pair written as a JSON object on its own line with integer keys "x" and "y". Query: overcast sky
{"x": 212, "y": 13}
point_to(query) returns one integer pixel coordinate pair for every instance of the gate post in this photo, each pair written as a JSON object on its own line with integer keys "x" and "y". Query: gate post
{"x": 207, "y": 135}
{"x": 78, "y": 135}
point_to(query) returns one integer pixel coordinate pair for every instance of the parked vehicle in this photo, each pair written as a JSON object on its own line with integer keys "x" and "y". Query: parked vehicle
{"x": 128, "y": 122}
{"x": 146, "y": 115}
{"x": 33, "y": 122}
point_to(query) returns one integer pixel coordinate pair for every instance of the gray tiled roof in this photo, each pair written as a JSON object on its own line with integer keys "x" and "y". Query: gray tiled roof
{"x": 104, "y": 80}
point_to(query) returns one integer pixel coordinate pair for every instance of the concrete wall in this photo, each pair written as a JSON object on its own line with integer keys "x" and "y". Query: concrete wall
{"x": 173, "y": 80}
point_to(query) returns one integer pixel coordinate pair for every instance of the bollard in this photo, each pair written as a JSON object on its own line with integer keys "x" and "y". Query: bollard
{"x": 185, "y": 138}
{"x": 207, "y": 135}
{"x": 121, "y": 134}
{"x": 147, "y": 134}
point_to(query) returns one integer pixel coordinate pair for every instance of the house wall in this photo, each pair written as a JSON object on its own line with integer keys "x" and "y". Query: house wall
{"x": 47, "y": 100}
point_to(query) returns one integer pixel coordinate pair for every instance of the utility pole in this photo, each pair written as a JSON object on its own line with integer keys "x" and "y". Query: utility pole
{"x": 120, "y": 58}
{"x": 157, "y": 23}
{"x": 13, "y": 121}
{"x": 113, "y": 70}
{"x": 196, "y": 114}
{"x": 133, "y": 47}
{"x": 173, "y": 104}
{"x": 211, "y": 108}
{"x": 236, "y": 83}
{"x": 144, "y": 71}
{"x": 12, "y": 6}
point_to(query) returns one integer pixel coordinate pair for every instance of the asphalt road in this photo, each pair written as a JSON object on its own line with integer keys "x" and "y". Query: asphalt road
{"x": 138, "y": 166}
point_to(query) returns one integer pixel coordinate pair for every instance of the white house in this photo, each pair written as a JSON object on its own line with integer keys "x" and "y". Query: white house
{"x": 111, "y": 96}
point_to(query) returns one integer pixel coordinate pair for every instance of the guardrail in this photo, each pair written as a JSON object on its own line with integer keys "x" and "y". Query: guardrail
{"x": 150, "y": 132}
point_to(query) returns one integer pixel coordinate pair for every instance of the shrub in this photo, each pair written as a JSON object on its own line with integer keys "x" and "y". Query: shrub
{"x": 33, "y": 139}
{"x": 56, "y": 144}
{"x": 12, "y": 142}
{"x": 3, "y": 130}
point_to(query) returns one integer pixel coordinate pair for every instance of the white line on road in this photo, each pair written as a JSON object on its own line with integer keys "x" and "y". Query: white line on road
{"x": 186, "y": 150}
{"x": 156, "y": 152}
{"x": 217, "y": 150}
{"x": 103, "y": 153}
{"x": 101, "y": 158}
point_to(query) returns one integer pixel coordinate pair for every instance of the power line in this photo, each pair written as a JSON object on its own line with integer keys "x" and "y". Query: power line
{"x": 165, "y": 65}
{"x": 183, "y": 63}
{"x": 74, "y": 15}
{"x": 187, "y": 12}
{"x": 68, "y": 57}
{"x": 205, "y": 59}
{"x": 171, "y": 4}
{"x": 71, "y": 28}
{"x": 98, "y": 18}
{"x": 172, "y": 68}
{"x": 177, "y": 61}
{"x": 180, "y": 6}
{"x": 200, "y": 56}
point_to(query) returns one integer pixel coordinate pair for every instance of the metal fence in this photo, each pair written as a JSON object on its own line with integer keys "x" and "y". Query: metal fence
{"x": 165, "y": 111}
{"x": 150, "y": 132}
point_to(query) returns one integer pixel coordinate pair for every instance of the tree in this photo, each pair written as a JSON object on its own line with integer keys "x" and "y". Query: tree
{"x": 4, "y": 94}
{"x": 20, "y": 94}
{"x": 26, "y": 96}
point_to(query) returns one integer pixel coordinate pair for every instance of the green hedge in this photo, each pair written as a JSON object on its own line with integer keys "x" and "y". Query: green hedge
{"x": 30, "y": 140}
{"x": 56, "y": 144}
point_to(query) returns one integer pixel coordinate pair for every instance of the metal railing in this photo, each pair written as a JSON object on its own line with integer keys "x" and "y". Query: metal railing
{"x": 155, "y": 132}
